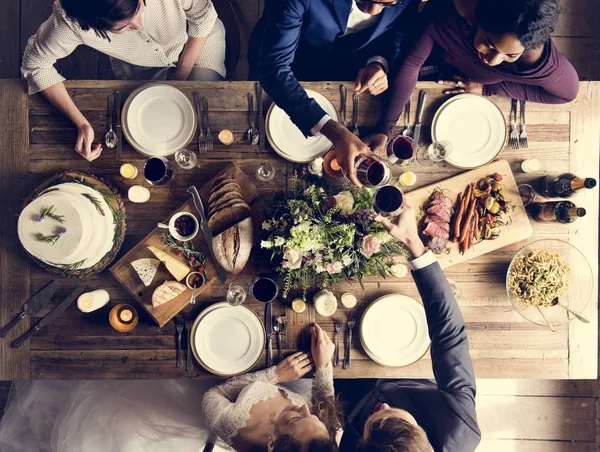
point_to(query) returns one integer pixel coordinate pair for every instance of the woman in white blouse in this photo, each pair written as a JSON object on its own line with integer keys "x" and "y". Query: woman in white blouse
{"x": 146, "y": 40}
{"x": 257, "y": 411}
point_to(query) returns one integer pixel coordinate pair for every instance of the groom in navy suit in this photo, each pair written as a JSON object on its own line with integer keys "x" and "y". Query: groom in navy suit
{"x": 313, "y": 40}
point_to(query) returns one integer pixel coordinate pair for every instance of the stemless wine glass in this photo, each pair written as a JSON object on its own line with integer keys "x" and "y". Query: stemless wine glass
{"x": 237, "y": 292}
{"x": 157, "y": 171}
{"x": 400, "y": 150}
{"x": 264, "y": 287}
{"x": 265, "y": 172}
{"x": 186, "y": 159}
{"x": 389, "y": 201}
{"x": 434, "y": 153}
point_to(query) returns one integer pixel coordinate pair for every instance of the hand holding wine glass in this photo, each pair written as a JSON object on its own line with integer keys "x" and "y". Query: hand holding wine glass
{"x": 404, "y": 229}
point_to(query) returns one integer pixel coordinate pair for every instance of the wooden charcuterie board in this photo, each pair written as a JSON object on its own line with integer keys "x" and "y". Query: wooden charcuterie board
{"x": 126, "y": 275}
{"x": 518, "y": 229}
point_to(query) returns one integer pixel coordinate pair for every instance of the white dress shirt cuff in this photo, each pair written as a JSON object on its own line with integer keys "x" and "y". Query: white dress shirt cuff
{"x": 423, "y": 261}
{"x": 380, "y": 60}
{"x": 316, "y": 130}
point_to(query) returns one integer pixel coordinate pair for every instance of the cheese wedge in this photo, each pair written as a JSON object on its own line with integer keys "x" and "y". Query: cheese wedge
{"x": 167, "y": 291}
{"x": 146, "y": 269}
{"x": 178, "y": 269}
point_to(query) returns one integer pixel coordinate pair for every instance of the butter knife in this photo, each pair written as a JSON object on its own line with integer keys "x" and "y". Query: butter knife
{"x": 269, "y": 332}
{"x": 417, "y": 132}
{"x": 206, "y": 232}
{"x": 261, "y": 121}
{"x": 49, "y": 317}
{"x": 32, "y": 306}
{"x": 118, "y": 126}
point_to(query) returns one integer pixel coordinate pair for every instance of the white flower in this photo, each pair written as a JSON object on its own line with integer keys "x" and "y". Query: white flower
{"x": 279, "y": 241}
{"x": 319, "y": 268}
{"x": 346, "y": 260}
{"x": 399, "y": 270}
{"x": 292, "y": 258}
{"x": 370, "y": 245}
{"x": 345, "y": 201}
{"x": 333, "y": 268}
{"x": 266, "y": 244}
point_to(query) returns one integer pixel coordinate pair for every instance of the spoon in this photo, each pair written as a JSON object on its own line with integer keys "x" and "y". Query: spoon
{"x": 110, "y": 139}
{"x": 278, "y": 326}
{"x": 252, "y": 132}
{"x": 577, "y": 316}
{"x": 408, "y": 131}
{"x": 162, "y": 225}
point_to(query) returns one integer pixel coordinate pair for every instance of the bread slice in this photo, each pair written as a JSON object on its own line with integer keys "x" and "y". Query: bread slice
{"x": 224, "y": 177}
{"x": 232, "y": 247}
{"x": 225, "y": 218}
{"x": 226, "y": 197}
{"x": 167, "y": 291}
{"x": 219, "y": 194}
{"x": 227, "y": 185}
{"x": 225, "y": 205}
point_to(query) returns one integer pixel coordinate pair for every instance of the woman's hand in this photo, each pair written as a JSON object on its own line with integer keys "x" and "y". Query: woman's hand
{"x": 371, "y": 78}
{"x": 85, "y": 145}
{"x": 404, "y": 229}
{"x": 462, "y": 86}
{"x": 377, "y": 142}
{"x": 322, "y": 346}
{"x": 293, "y": 367}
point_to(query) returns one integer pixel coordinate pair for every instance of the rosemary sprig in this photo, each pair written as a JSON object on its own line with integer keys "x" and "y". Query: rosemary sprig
{"x": 49, "y": 212}
{"x": 52, "y": 239}
{"x": 95, "y": 202}
{"x": 185, "y": 249}
{"x": 69, "y": 268}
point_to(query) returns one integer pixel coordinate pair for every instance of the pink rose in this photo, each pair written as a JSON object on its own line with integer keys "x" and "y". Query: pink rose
{"x": 333, "y": 268}
{"x": 370, "y": 245}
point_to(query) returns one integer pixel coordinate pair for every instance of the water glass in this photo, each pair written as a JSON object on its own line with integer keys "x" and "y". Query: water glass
{"x": 186, "y": 159}
{"x": 439, "y": 151}
{"x": 265, "y": 172}
{"x": 237, "y": 292}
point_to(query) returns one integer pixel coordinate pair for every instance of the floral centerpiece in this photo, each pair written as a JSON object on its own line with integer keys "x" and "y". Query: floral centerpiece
{"x": 322, "y": 236}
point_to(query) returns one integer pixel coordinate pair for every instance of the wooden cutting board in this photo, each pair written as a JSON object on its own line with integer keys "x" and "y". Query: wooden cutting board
{"x": 519, "y": 229}
{"x": 126, "y": 275}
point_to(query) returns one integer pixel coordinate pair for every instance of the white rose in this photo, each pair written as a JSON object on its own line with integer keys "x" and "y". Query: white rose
{"x": 279, "y": 241}
{"x": 370, "y": 245}
{"x": 292, "y": 259}
{"x": 266, "y": 244}
{"x": 345, "y": 202}
{"x": 346, "y": 260}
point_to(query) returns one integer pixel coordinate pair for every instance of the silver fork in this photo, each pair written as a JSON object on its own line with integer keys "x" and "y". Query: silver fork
{"x": 209, "y": 137}
{"x": 407, "y": 132}
{"x": 201, "y": 137}
{"x": 351, "y": 323}
{"x": 337, "y": 326}
{"x": 355, "y": 115}
{"x": 179, "y": 329}
{"x": 513, "y": 139}
{"x": 523, "y": 137}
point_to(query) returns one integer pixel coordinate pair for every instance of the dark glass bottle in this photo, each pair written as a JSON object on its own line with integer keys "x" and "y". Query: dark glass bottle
{"x": 564, "y": 185}
{"x": 561, "y": 211}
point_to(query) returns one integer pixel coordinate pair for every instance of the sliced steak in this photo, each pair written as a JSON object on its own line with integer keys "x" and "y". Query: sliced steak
{"x": 437, "y": 220}
{"x": 440, "y": 211}
{"x": 434, "y": 230}
{"x": 446, "y": 202}
{"x": 437, "y": 245}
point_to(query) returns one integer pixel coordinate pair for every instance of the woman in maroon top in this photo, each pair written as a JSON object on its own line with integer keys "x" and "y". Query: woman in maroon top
{"x": 501, "y": 47}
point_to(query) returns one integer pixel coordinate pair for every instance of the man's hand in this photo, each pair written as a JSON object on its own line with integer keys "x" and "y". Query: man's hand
{"x": 462, "y": 86}
{"x": 293, "y": 367}
{"x": 322, "y": 346}
{"x": 347, "y": 147}
{"x": 404, "y": 229}
{"x": 376, "y": 142}
{"x": 85, "y": 145}
{"x": 371, "y": 78}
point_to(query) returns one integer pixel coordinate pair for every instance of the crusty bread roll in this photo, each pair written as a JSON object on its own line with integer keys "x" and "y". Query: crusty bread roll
{"x": 232, "y": 247}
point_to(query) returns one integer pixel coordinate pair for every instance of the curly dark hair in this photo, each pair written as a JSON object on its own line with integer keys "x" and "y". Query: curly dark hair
{"x": 533, "y": 21}
{"x": 99, "y": 15}
{"x": 287, "y": 443}
{"x": 393, "y": 434}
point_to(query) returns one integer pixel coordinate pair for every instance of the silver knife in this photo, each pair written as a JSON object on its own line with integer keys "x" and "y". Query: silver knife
{"x": 32, "y": 306}
{"x": 417, "y": 132}
{"x": 118, "y": 126}
{"x": 49, "y": 317}
{"x": 269, "y": 332}
{"x": 206, "y": 231}
{"x": 261, "y": 121}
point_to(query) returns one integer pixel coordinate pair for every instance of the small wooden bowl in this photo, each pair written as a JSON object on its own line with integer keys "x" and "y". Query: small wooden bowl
{"x": 123, "y": 318}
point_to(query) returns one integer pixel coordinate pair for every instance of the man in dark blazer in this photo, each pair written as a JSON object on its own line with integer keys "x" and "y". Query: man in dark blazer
{"x": 421, "y": 416}
{"x": 327, "y": 40}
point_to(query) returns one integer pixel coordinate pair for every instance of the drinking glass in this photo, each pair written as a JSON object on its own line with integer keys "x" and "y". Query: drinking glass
{"x": 435, "y": 153}
{"x": 157, "y": 171}
{"x": 400, "y": 150}
{"x": 265, "y": 172}
{"x": 372, "y": 172}
{"x": 186, "y": 159}
{"x": 389, "y": 201}
{"x": 264, "y": 287}
{"x": 237, "y": 292}
{"x": 527, "y": 193}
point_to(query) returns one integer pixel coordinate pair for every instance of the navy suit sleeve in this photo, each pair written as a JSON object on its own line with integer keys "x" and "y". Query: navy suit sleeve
{"x": 452, "y": 364}
{"x": 283, "y": 26}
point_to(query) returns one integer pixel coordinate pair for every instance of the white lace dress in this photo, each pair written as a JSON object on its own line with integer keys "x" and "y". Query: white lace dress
{"x": 226, "y": 407}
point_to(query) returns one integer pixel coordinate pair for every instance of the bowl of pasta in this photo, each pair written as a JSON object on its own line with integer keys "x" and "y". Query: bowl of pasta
{"x": 550, "y": 282}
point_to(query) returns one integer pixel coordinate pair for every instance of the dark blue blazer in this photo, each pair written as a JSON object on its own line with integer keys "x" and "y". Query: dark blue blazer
{"x": 304, "y": 40}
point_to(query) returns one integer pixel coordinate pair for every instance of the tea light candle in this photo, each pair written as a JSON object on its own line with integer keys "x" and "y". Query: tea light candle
{"x": 128, "y": 171}
{"x": 407, "y": 179}
{"x": 335, "y": 166}
{"x": 226, "y": 137}
{"x": 123, "y": 318}
{"x": 331, "y": 166}
{"x": 533, "y": 165}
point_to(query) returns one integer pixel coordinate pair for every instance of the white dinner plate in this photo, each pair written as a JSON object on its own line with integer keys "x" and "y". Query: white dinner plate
{"x": 475, "y": 127}
{"x": 227, "y": 340}
{"x": 158, "y": 120}
{"x": 393, "y": 331}
{"x": 287, "y": 140}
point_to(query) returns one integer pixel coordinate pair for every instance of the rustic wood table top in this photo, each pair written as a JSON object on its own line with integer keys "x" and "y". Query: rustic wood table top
{"x": 36, "y": 141}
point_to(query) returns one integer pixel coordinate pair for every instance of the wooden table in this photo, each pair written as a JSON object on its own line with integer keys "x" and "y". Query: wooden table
{"x": 37, "y": 141}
